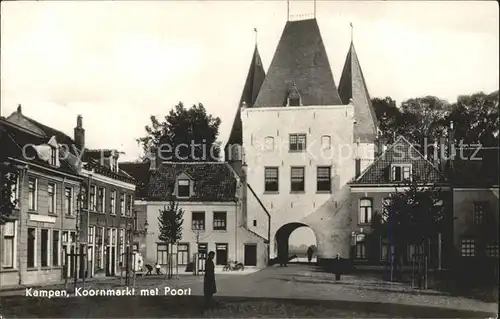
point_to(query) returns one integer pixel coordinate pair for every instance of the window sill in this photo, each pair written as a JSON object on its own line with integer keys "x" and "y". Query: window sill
{"x": 9, "y": 270}
{"x": 46, "y": 268}
{"x": 32, "y": 269}
{"x": 271, "y": 192}
{"x": 364, "y": 224}
{"x": 52, "y": 214}
{"x": 323, "y": 192}
{"x": 33, "y": 212}
{"x": 70, "y": 216}
{"x": 220, "y": 230}
{"x": 297, "y": 151}
{"x": 198, "y": 230}
{"x": 297, "y": 192}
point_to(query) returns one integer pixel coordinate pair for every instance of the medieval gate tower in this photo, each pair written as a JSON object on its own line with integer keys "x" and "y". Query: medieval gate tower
{"x": 302, "y": 140}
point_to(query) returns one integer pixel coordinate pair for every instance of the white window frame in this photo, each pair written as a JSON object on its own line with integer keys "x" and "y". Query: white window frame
{"x": 93, "y": 200}
{"x": 68, "y": 207}
{"x": 14, "y": 244}
{"x": 361, "y": 220}
{"x": 35, "y": 195}
{"x": 122, "y": 204}
{"x": 402, "y": 166}
{"x": 112, "y": 200}
{"x": 54, "y": 199}
{"x": 468, "y": 241}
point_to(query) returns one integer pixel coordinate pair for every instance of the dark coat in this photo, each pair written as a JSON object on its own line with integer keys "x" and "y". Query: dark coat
{"x": 209, "y": 287}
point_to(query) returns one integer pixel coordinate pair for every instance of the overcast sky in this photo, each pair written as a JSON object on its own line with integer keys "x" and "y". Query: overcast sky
{"x": 117, "y": 63}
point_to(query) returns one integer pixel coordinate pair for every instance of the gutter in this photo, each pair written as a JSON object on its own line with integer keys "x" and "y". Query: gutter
{"x": 47, "y": 169}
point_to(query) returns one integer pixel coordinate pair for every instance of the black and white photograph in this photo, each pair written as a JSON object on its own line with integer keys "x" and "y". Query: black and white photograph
{"x": 249, "y": 159}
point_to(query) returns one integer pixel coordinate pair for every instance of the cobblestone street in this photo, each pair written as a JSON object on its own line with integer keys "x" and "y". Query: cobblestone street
{"x": 301, "y": 282}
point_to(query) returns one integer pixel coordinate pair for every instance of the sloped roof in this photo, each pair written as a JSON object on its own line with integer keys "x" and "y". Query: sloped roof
{"x": 14, "y": 140}
{"x": 352, "y": 85}
{"x": 253, "y": 83}
{"x": 213, "y": 182}
{"x": 300, "y": 58}
{"x": 401, "y": 152}
{"x": 140, "y": 172}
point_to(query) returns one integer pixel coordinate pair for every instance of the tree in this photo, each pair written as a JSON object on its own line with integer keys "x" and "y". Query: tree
{"x": 476, "y": 119}
{"x": 389, "y": 118}
{"x": 170, "y": 226}
{"x": 412, "y": 215}
{"x": 184, "y": 135}
{"x": 8, "y": 180}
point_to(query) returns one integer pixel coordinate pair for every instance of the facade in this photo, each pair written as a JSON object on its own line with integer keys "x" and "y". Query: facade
{"x": 476, "y": 211}
{"x": 299, "y": 137}
{"x": 107, "y": 221}
{"x": 53, "y": 235}
{"x": 372, "y": 188}
{"x": 39, "y": 239}
{"x": 210, "y": 195}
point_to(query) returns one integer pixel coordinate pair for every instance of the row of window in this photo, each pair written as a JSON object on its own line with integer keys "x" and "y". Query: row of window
{"x": 47, "y": 247}
{"x": 183, "y": 256}
{"x": 468, "y": 248}
{"x": 98, "y": 202}
{"x": 297, "y": 142}
{"x": 198, "y": 221}
{"x": 52, "y": 198}
{"x": 297, "y": 179}
{"x": 52, "y": 248}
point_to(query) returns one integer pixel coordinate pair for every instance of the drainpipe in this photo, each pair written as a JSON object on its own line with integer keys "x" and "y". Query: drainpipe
{"x": 24, "y": 171}
{"x": 62, "y": 216}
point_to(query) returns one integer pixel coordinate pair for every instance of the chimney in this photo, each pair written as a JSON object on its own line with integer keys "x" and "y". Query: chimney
{"x": 79, "y": 133}
{"x": 357, "y": 169}
{"x": 379, "y": 146}
{"x": 19, "y": 110}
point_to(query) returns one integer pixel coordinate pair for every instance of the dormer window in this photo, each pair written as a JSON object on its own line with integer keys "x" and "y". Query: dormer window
{"x": 294, "y": 98}
{"x": 183, "y": 188}
{"x": 400, "y": 172}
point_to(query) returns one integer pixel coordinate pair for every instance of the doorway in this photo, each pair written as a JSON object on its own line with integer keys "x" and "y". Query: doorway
{"x": 250, "y": 255}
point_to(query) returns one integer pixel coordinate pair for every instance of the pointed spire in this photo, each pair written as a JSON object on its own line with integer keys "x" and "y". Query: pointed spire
{"x": 254, "y": 80}
{"x": 352, "y": 32}
{"x": 352, "y": 85}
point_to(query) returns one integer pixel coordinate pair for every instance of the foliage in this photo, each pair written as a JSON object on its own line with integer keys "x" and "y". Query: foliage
{"x": 192, "y": 127}
{"x": 170, "y": 223}
{"x": 413, "y": 214}
{"x": 426, "y": 120}
{"x": 8, "y": 181}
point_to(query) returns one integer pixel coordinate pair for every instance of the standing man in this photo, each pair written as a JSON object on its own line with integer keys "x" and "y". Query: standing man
{"x": 337, "y": 267}
{"x": 309, "y": 254}
{"x": 209, "y": 287}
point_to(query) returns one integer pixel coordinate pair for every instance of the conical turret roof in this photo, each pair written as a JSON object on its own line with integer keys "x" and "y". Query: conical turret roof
{"x": 352, "y": 85}
{"x": 253, "y": 83}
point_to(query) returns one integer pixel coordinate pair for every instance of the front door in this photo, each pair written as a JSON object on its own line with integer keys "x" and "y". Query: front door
{"x": 108, "y": 261}
{"x": 221, "y": 254}
{"x": 251, "y": 255}
{"x": 113, "y": 261}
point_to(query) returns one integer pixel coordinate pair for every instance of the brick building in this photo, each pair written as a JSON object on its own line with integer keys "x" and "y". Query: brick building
{"x": 106, "y": 208}
{"x": 371, "y": 189}
{"x": 36, "y": 242}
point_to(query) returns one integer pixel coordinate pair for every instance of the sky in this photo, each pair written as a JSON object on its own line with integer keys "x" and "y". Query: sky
{"x": 118, "y": 62}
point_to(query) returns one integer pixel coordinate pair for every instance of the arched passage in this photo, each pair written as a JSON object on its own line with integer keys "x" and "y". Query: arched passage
{"x": 282, "y": 238}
